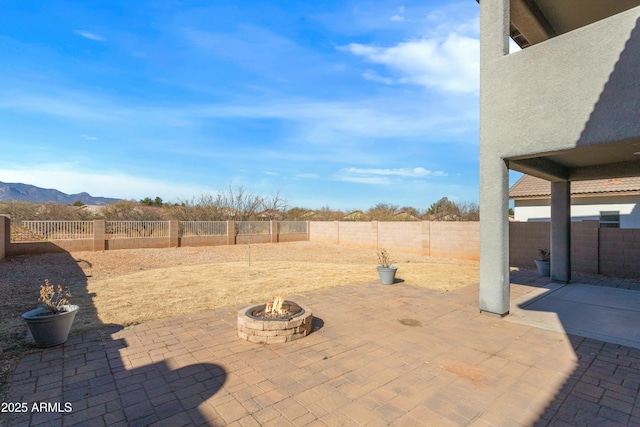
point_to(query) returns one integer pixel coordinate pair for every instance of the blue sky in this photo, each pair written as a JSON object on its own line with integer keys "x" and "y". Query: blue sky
{"x": 338, "y": 103}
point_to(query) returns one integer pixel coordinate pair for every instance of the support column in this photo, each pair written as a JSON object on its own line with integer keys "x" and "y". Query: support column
{"x": 99, "y": 235}
{"x": 494, "y": 237}
{"x": 561, "y": 231}
{"x": 231, "y": 232}
{"x": 174, "y": 234}
{"x": 494, "y": 174}
{"x": 494, "y": 29}
{"x": 5, "y": 235}
{"x": 273, "y": 228}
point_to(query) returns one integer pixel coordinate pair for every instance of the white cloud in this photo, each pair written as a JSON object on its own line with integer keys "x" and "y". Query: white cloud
{"x": 90, "y": 36}
{"x": 308, "y": 176}
{"x": 399, "y": 16}
{"x": 372, "y": 180}
{"x": 67, "y": 178}
{"x": 344, "y": 124}
{"x": 369, "y": 118}
{"x": 67, "y": 104}
{"x": 378, "y": 176}
{"x": 375, "y": 77}
{"x": 404, "y": 172}
{"x": 449, "y": 64}
{"x": 88, "y": 137}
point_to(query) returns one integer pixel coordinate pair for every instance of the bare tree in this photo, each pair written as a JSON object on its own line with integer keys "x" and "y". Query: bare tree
{"x": 298, "y": 213}
{"x": 382, "y": 212}
{"x": 273, "y": 206}
{"x": 231, "y": 204}
{"x": 206, "y": 207}
{"x": 58, "y": 212}
{"x": 325, "y": 213}
{"x": 19, "y": 211}
{"x": 469, "y": 211}
{"x": 129, "y": 210}
{"x": 242, "y": 206}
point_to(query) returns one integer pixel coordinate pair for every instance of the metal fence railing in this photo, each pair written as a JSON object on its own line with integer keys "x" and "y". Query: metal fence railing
{"x": 292, "y": 227}
{"x": 253, "y": 227}
{"x": 130, "y": 229}
{"x": 202, "y": 228}
{"x": 29, "y": 231}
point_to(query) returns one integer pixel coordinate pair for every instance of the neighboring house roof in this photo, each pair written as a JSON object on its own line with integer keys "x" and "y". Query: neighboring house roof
{"x": 405, "y": 216}
{"x": 356, "y": 215}
{"x": 530, "y": 187}
{"x": 271, "y": 214}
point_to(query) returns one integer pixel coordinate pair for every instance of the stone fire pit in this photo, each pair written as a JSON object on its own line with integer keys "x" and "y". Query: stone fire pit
{"x": 260, "y": 324}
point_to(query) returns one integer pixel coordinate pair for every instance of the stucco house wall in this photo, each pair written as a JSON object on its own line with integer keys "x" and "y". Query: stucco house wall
{"x": 539, "y": 210}
{"x": 563, "y": 110}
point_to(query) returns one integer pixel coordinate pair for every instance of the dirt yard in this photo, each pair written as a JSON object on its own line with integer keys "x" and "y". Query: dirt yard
{"x": 127, "y": 287}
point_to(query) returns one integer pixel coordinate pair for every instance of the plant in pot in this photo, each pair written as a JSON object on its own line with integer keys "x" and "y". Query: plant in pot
{"x": 544, "y": 264}
{"x": 386, "y": 271}
{"x": 51, "y": 322}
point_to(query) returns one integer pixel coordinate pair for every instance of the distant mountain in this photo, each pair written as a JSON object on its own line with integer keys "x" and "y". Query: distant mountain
{"x": 31, "y": 193}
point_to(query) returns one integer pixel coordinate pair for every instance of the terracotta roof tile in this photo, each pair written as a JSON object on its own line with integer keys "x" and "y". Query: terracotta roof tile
{"x": 530, "y": 187}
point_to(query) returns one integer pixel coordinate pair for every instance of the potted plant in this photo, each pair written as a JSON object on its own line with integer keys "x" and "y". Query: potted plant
{"x": 51, "y": 322}
{"x": 544, "y": 264}
{"x": 386, "y": 271}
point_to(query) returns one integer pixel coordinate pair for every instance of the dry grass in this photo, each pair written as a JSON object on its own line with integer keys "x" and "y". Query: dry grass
{"x": 181, "y": 290}
{"x": 132, "y": 286}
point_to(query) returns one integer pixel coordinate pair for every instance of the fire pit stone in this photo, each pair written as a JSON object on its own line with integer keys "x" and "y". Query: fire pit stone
{"x": 272, "y": 330}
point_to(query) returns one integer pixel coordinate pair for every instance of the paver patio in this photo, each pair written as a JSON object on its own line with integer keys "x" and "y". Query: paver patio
{"x": 379, "y": 355}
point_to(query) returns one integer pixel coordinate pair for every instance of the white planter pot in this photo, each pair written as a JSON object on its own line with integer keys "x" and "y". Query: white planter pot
{"x": 544, "y": 267}
{"x": 387, "y": 275}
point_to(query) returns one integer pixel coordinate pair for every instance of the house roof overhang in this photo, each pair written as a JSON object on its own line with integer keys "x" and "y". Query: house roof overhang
{"x": 534, "y": 21}
{"x": 530, "y": 187}
{"x": 613, "y": 160}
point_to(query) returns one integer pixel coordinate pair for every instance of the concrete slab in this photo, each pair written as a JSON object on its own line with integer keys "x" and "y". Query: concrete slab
{"x": 606, "y": 314}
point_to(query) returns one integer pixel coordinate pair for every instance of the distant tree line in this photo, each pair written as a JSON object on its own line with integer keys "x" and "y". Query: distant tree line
{"x": 235, "y": 204}
{"x": 442, "y": 210}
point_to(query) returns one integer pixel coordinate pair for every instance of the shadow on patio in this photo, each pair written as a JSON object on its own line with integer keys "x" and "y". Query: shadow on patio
{"x": 108, "y": 377}
{"x": 599, "y": 315}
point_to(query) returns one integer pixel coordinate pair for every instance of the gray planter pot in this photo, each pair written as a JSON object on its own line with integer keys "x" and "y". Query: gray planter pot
{"x": 544, "y": 267}
{"x": 50, "y": 329}
{"x": 387, "y": 275}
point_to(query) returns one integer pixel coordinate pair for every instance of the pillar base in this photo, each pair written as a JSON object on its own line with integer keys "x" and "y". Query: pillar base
{"x": 492, "y": 314}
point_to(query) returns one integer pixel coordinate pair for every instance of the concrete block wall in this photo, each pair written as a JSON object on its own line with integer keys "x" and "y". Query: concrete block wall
{"x": 138, "y": 242}
{"x": 324, "y": 232}
{"x": 584, "y": 246}
{"x": 202, "y": 241}
{"x": 401, "y": 236}
{"x": 101, "y": 242}
{"x": 619, "y": 252}
{"x": 293, "y": 237}
{"x": 525, "y": 240}
{"x": 359, "y": 234}
{"x": 608, "y": 251}
{"x": 34, "y": 248}
{"x": 460, "y": 240}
